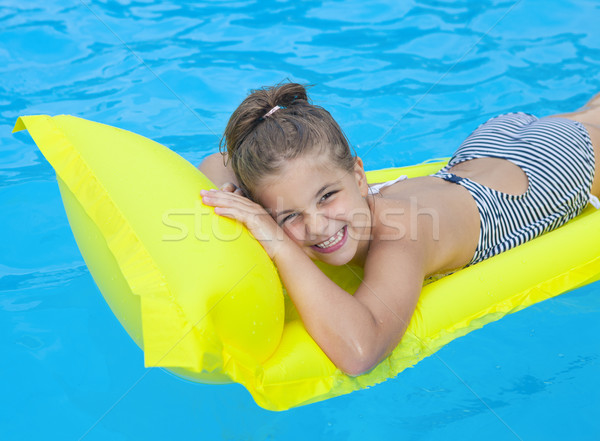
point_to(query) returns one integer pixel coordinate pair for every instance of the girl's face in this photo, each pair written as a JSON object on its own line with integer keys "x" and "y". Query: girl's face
{"x": 321, "y": 207}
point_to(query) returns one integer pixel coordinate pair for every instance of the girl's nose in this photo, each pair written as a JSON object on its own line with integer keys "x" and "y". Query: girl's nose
{"x": 315, "y": 225}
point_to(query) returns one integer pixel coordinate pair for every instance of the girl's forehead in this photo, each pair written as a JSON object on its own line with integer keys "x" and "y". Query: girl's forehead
{"x": 300, "y": 180}
{"x": 306, "y": 168}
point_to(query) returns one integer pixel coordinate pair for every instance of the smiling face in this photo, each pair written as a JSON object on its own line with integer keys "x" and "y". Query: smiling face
{"x": 321, "y": 207}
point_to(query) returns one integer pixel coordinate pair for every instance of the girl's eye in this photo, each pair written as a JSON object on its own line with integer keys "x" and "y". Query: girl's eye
{"x": 288, "y": 218}
{"x": 327, "y": 195}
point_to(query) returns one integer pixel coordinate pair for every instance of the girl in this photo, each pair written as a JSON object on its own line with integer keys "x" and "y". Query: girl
{"x": 293, "y": 181}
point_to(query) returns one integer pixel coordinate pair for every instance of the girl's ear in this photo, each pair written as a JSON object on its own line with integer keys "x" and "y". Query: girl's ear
{"x": 361, "y": 178}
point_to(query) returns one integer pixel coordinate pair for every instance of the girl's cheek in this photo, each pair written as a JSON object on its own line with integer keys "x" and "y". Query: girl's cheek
{"x": 336, "y": 210}
{"x": 295, "y": 232}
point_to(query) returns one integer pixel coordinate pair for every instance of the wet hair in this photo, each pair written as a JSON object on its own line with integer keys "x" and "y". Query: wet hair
{"x": 259, "y": 141}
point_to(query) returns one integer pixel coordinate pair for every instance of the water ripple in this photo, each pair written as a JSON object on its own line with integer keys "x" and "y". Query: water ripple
{"x": 16, "y": 279}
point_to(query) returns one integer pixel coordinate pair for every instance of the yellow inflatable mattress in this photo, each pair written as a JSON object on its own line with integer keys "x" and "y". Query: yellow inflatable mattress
{"x": 202, "y": 299}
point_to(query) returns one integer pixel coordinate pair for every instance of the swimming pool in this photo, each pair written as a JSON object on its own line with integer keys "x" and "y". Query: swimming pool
{"x": 406, "y": 80}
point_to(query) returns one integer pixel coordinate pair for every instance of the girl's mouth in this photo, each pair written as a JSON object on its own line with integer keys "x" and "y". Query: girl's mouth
{"x": 334, "y": 243}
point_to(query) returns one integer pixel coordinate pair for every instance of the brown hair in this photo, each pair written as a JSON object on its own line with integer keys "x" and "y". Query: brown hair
{"x": 259, "y": 145}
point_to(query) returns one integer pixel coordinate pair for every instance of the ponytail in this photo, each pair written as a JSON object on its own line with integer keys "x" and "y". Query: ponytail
{"x": 276, "y": 124}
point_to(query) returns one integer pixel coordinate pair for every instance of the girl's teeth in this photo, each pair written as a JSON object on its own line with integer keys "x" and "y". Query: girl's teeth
{"x": 332, "y": 240}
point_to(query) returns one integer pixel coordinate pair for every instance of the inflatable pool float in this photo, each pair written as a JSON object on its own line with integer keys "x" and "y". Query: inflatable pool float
{"x": 202, "y": 299}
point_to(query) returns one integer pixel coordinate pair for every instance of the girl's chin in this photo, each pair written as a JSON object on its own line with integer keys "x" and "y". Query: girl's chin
{"x": 343, "y": 257}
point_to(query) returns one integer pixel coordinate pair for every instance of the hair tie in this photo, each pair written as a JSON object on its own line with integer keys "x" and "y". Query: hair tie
{"x": 271, "y": 112}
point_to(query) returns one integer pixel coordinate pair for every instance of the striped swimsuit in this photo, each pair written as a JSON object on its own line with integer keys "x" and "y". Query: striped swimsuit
{"x": 557, "y": 156}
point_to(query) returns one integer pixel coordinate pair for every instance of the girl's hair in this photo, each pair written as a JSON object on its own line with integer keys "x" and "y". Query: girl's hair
{"x": 259, "y": 142}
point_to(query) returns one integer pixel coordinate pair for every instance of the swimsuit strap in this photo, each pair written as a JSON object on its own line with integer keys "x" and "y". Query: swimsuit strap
{"x": 376, "y": 188}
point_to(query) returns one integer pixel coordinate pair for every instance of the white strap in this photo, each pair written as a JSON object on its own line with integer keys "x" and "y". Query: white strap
{"x": 375, "y": 188}
{"x": 595, "y": 202}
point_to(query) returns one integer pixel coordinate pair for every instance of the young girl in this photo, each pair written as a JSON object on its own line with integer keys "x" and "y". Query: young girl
{"x": 293, "y": 181}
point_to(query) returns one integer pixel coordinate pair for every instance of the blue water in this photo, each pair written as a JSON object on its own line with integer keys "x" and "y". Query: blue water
{"x": 407, "y": 80}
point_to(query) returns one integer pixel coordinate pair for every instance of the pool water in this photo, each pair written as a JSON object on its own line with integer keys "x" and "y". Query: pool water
{"x": 407, "y": 81}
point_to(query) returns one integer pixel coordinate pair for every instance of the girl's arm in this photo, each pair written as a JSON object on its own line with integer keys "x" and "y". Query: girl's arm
{"x": 355, "y": 332}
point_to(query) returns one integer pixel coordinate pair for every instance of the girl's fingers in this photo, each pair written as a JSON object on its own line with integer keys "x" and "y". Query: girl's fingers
{"x": 230, "y": 187}
{"x": 217, "y": 198}
{"x": 231, "y": 204}
{"x": 225, "y": 212}
{"x": 252, "y": 215}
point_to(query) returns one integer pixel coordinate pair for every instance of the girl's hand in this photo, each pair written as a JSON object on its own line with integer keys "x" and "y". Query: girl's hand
{"x": 232, "y": 188}
{"x": 230, "y": 203}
